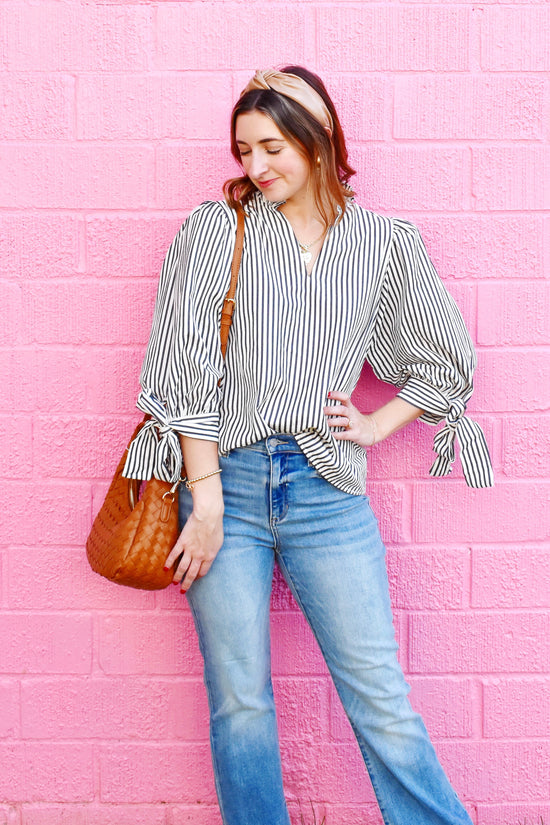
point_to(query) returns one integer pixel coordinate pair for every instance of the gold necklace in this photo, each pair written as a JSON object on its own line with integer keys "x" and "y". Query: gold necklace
{"x": 305, "y": 254}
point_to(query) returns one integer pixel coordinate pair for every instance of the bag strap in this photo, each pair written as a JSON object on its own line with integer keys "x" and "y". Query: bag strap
{"x": 229, "y": 300}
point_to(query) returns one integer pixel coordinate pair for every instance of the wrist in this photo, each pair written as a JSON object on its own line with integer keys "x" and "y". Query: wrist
{"x": 207, "y": 495}
{"x": 373, "y": 435}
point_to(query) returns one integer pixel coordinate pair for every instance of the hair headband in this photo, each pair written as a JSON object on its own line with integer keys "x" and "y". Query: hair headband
{"x": 292, "y": 86}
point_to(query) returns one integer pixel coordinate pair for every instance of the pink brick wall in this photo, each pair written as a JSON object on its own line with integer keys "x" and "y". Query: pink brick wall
{"x": 113, "y": 121}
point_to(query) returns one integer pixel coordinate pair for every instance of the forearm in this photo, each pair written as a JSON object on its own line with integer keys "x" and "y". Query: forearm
{"x": 392, "y": 417}
{"x": 200, "y": 458}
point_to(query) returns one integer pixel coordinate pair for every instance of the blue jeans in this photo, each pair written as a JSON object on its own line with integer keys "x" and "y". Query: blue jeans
{"x": 328, "y": 547}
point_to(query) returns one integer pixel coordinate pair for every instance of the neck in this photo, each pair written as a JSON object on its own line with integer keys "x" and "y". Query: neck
{"x": 302, "y": 214}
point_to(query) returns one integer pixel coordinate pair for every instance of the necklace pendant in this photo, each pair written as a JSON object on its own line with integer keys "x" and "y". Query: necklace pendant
{"x": 306, "y": 256}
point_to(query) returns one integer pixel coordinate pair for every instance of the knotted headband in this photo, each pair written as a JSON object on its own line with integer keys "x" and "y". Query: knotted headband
{"x": 292, "y": 86}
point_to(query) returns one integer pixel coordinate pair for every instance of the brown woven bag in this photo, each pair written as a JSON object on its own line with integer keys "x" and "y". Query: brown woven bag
{"x": 131, "y": 539}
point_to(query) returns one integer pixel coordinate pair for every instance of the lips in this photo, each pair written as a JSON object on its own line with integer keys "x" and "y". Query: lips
{"x": 265, "y": 183}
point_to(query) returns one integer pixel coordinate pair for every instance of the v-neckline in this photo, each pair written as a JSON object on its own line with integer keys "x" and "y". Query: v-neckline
{"x": 310, "y": 272}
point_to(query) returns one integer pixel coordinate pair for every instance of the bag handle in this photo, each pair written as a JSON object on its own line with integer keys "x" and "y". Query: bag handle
{"x": 229, "y": 300}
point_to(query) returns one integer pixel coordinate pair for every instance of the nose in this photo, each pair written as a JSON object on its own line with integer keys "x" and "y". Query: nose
{"x": 258, "y": 164}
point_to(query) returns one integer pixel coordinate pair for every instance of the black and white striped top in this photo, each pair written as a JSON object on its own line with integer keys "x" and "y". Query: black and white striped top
{"x": 373, "y": 295}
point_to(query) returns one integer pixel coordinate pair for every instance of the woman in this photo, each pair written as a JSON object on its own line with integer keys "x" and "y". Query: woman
{"x": 274, "y": 449}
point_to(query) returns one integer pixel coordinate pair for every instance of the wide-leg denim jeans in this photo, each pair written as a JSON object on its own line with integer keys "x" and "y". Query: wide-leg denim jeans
{"x": 328, "y": 547}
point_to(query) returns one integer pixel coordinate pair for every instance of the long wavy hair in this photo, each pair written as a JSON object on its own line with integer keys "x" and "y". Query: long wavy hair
{"x": 326, "y": 155}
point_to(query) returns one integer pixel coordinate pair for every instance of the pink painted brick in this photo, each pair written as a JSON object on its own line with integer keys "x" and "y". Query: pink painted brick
{"x": 393, "y": 178}
{"x": 189, "y": 174}
{"x": 281, "y": 595}
{"x": 39, "y": 245}
{"x": 127, "y": 246}
{"x": 386, "y": 38}
{"x": 13, "y": 329}
{"x": 16, "y": 375}
{"x": 60, "y": 513}
{"x": 72, "y": 176}
{"x": 45, "y": 643}
{"x": 295, "y": 650}
{"x": 59, "y": 378}
{"x": 405, "y": 455}
{"x": 16, "y": 446}
{"x": 79, "y": 447}
{"x": 427, "y": 579}
{"x": 156, "y": 773}
{"x": 506, "y": 31}
{"x": 511, "y": 814}
{"x": 146, "y": 106}
{"x": 388, "y": 504}
{"x": 468, "y": 108}
{"x": 511, "y": 577}
{"x": 76, "y": 37}
{"x": 94, "y": 814}
{"x": 260, "y": 41}
{"x": 9, "y": 815}
{"x": 195, "y": 815}
{"x": 116, "y": 708}
{"x": 304, "y": 704}
{"x": 361, "y": 103}
{"x": 61, "y": 579}
{"x": 474, "y": 642}
{"x": 36, "y": 106}
{"x": 82, "y": 312}
{"x": 9, "y": 710}
{"x": 446, "y": 705}
{"x": 445, "y": 512}
{"x": 333, "y": 771}
{"x": 514, "y": 313}
{"x": 351, "y": 814}
{"x": 516, "y": 708}
{"x": 511, "y": 380}
{"x": 485, "y": 770}
{"x": 526, "y": 446}
{"x": 511, "y": 178}
{"x": 158, "y": 644}
{"x": 492, "y": 247}
{"x": 48, "y": 771}
{"x": 112, "y": 382}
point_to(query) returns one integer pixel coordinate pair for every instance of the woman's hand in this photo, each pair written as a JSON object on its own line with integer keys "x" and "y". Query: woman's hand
{"x": 357, "y": 427}
{"x": 369, "y": 429}
{"x": 200, "y": 539}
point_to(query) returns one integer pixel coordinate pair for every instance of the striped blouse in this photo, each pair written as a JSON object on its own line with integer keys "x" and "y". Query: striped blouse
{"x": 373, "y": 295}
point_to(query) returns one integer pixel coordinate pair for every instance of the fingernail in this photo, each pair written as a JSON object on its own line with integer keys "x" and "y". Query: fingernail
{"x": 166, "y": 569}
{"x": 175, "y": 582}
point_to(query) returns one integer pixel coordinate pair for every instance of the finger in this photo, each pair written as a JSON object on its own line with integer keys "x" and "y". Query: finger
{"x": 339, "y": 409}
{"x": 176, "y": 551}
{"x": 340, "y": 421}
{"x": 190, "y": 575}
{"x": 343, "y": 435}
{"x": 343, "y": 397}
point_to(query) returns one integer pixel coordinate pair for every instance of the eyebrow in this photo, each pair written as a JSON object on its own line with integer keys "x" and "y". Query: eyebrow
{"x": 265, "y": 140}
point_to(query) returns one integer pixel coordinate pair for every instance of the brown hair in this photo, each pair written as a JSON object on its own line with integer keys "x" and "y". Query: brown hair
{"x": 327, "y": 155}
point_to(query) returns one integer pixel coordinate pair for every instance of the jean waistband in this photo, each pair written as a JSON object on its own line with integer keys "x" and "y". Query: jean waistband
{"x": 279, "y": 443}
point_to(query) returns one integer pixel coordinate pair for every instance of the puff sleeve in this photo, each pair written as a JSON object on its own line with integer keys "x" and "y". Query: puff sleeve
{"x": 183, "y": 361}
{"x": 420, "y": 344}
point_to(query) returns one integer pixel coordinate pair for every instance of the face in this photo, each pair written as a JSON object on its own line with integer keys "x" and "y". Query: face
{"x": 271, "y": 162}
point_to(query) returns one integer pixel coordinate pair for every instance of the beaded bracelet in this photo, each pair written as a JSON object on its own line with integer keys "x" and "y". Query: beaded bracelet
{"x": 190, "y": 482}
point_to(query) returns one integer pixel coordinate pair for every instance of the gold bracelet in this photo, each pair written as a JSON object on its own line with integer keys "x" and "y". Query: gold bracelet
{"x": 190, "y": 482}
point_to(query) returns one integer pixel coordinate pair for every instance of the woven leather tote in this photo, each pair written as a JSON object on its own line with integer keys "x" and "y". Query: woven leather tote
{"x": 131, "y": 537}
